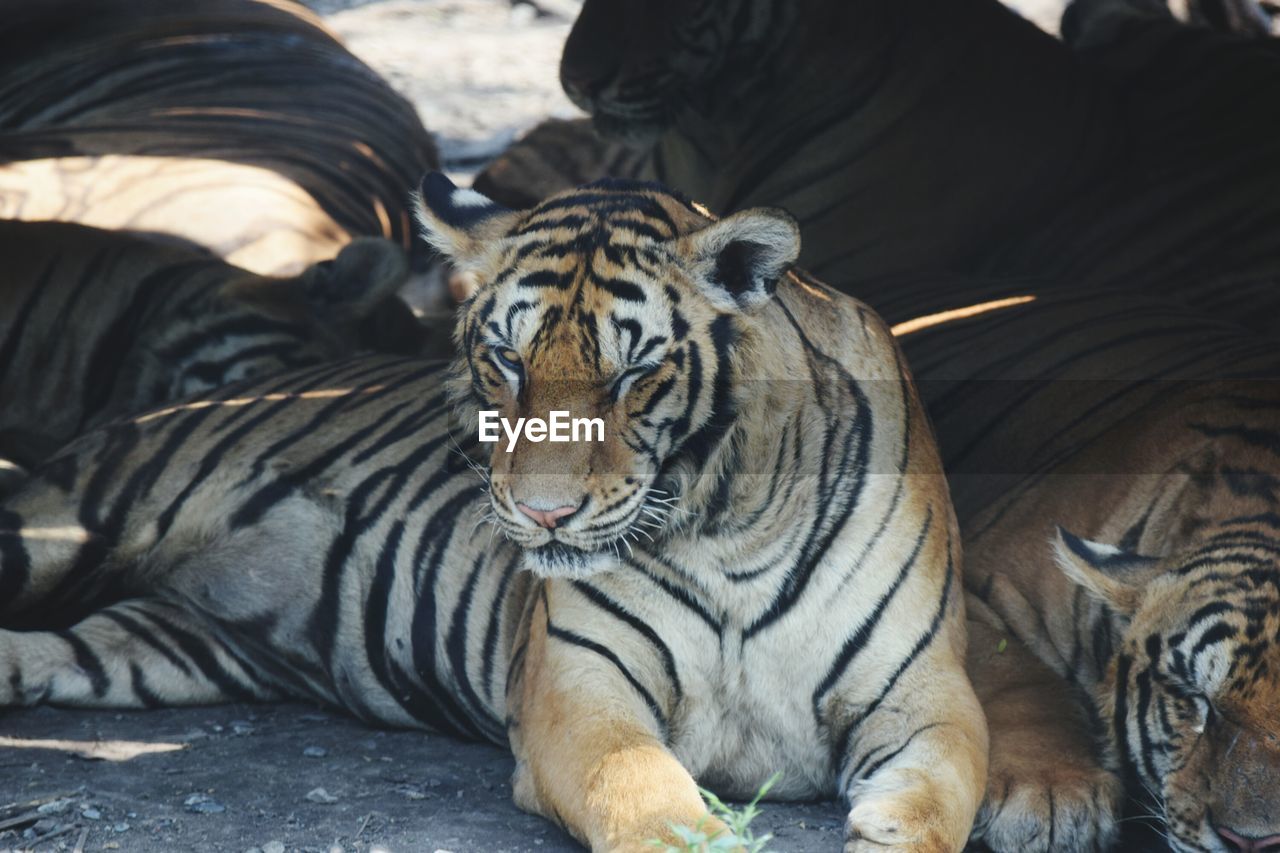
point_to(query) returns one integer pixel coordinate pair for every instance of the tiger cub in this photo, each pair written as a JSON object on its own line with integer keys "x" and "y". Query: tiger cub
{"x": 753, "y": 567}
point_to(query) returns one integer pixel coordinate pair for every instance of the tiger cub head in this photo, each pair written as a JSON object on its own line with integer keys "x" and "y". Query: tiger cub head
{"x": 1191, "y": 696}
{"x": 619, "y": 304}
{"x": 633, "y": 64}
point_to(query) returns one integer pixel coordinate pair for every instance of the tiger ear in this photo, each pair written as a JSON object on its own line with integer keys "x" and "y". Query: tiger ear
{"x": 459, "y": 223}
{"x": 1112, "y": 576}
{"x": 739, "y": 259}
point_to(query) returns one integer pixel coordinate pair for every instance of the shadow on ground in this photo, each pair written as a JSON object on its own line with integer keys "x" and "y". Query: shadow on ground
{"x": 279, "y": 778}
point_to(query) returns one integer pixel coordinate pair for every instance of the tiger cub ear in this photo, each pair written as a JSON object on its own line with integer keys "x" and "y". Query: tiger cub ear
{"x": 1112, "y": 576}
{"x": 459, "y": 223}
{"x": 741, "y": 257}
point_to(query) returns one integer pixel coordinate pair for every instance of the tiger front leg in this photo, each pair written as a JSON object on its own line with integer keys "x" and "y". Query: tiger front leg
{"x": 915, "y": 766}
{"x": 588, "y": 744}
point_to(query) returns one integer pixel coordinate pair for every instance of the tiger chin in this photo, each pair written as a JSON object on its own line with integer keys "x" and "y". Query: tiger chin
{"x": 754, "y": 570}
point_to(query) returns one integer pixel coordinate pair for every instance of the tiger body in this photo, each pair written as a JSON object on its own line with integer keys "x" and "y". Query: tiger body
{"x": 1149, "y": 434}
{"x": 96, "y": 325}
{"x": 316, "y": 535}
{"x": 243, "y": 126}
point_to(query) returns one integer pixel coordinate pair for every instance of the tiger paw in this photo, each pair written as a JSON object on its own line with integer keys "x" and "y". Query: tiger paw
{"x": 1059, "y": 804}
{"x": 897, "y": 811}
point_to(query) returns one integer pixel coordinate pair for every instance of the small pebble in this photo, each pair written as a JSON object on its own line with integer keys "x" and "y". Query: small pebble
{"x": 55, "y": 807}
{"x": 315, "y": 752}
{"x": 273, "y": 847}
{"x": 91, "y": 814}
{"x": 201, "y": 804}
{"x": 320, "y": 795}
{"x": 121, "y": 827}
{"x": 240, "y": 727}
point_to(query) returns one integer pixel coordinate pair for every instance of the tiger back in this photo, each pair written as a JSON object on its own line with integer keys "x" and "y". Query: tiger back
{"x": 243, "y": 126}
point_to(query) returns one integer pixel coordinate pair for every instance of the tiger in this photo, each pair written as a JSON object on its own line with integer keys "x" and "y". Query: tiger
{"x": 1114, "y": 467}
{"x": 945, "y": 136}
{"x": 241, "y": 125}
{"x": 95, "y": 325}
{"x": 654, "y": 611}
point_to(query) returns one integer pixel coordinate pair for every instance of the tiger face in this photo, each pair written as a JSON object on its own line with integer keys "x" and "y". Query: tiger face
{"x": 1192, "y": 696}
{"x": 633, "y": 64}
{"x": 619, "y": 304}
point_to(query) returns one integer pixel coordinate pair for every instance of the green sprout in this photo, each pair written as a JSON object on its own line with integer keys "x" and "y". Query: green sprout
{"x": 738, "y": 836}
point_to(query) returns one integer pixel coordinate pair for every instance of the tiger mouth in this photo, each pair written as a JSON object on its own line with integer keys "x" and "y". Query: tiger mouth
{"x": 559, "y": 559}
{"x": 630, "y": 126}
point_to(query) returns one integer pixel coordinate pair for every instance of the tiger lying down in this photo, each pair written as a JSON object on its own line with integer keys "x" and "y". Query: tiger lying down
{"x": 126, "y": 324}
{"x": 755, "y": 570}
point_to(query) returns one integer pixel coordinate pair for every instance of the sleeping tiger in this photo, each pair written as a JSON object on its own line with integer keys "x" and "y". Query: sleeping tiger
{"x": 1115, "y": 470}
{"x": 946, "y": 134}
{"x": 95, "y": 325}
{"x": 766, "y": 491}
{"x": 241, "y": 125}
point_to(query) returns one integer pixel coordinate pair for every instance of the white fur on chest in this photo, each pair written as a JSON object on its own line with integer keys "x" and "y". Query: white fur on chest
{"x": 741, "y": 721}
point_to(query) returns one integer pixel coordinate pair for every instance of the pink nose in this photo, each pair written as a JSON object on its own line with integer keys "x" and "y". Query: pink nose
{"x": 547, "y": 517}
{"x": 1237, "y": 842}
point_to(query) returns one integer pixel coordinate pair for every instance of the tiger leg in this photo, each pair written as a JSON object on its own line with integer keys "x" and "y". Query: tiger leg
{"x": 141, "y": 653}
{"x": 915, "y": 767}
{"x": 589, "y": 753}
{"x": 1046, "y": 788}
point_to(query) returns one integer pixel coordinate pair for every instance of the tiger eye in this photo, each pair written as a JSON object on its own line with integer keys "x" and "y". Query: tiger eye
{"x": 508, "y": 357}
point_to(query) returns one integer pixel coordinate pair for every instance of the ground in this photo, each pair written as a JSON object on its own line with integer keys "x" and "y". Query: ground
{"x": 271, "y": 779}
{"x": 245, "y": 778}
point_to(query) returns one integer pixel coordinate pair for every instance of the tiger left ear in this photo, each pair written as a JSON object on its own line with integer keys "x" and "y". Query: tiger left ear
{"x": 739, "y": 259}
{"x": 1111, "y": 575}
{"x": 459, "y": 223}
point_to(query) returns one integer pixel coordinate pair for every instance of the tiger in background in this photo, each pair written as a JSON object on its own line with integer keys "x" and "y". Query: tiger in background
{"x": 638, "y": 623}
{"x": 243, "y": 126}
{"x": 1114, "y": 466}
{"x": 946, "y": 135}
{"x": 95, "y": 325}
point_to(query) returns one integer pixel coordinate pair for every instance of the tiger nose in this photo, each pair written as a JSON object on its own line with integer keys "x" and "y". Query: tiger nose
{"x": 1243, "y": 844}
{"x": 548, "y": 517}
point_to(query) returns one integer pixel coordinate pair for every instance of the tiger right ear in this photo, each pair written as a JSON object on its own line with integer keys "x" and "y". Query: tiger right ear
{"x": 459, "y": 223}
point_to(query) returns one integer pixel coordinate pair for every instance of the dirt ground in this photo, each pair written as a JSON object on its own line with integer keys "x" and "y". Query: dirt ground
{"x": 274, "y": 778}
{"x": 270, "y": 779}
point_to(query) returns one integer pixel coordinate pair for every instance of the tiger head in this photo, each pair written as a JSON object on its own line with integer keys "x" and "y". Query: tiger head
{"x": 617, "y": 303}
{"x": 633, "y": 64}
{"x": 1191, "y": 697}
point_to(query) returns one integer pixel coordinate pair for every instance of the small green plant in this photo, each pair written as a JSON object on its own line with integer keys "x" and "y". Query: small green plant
{"x": 738, "y": 836}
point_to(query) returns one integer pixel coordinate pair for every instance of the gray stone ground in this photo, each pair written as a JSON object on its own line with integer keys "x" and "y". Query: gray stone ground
{"x": 236, "y": 778}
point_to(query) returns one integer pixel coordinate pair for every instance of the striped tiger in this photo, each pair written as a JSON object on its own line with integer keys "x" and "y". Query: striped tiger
{"x": 95, "y": 325}
{"x": 1115, "y": 469}
{"x": 753, "y": 570}
{"x": 934, "y": 135}
{"x": 241, "y": 125}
